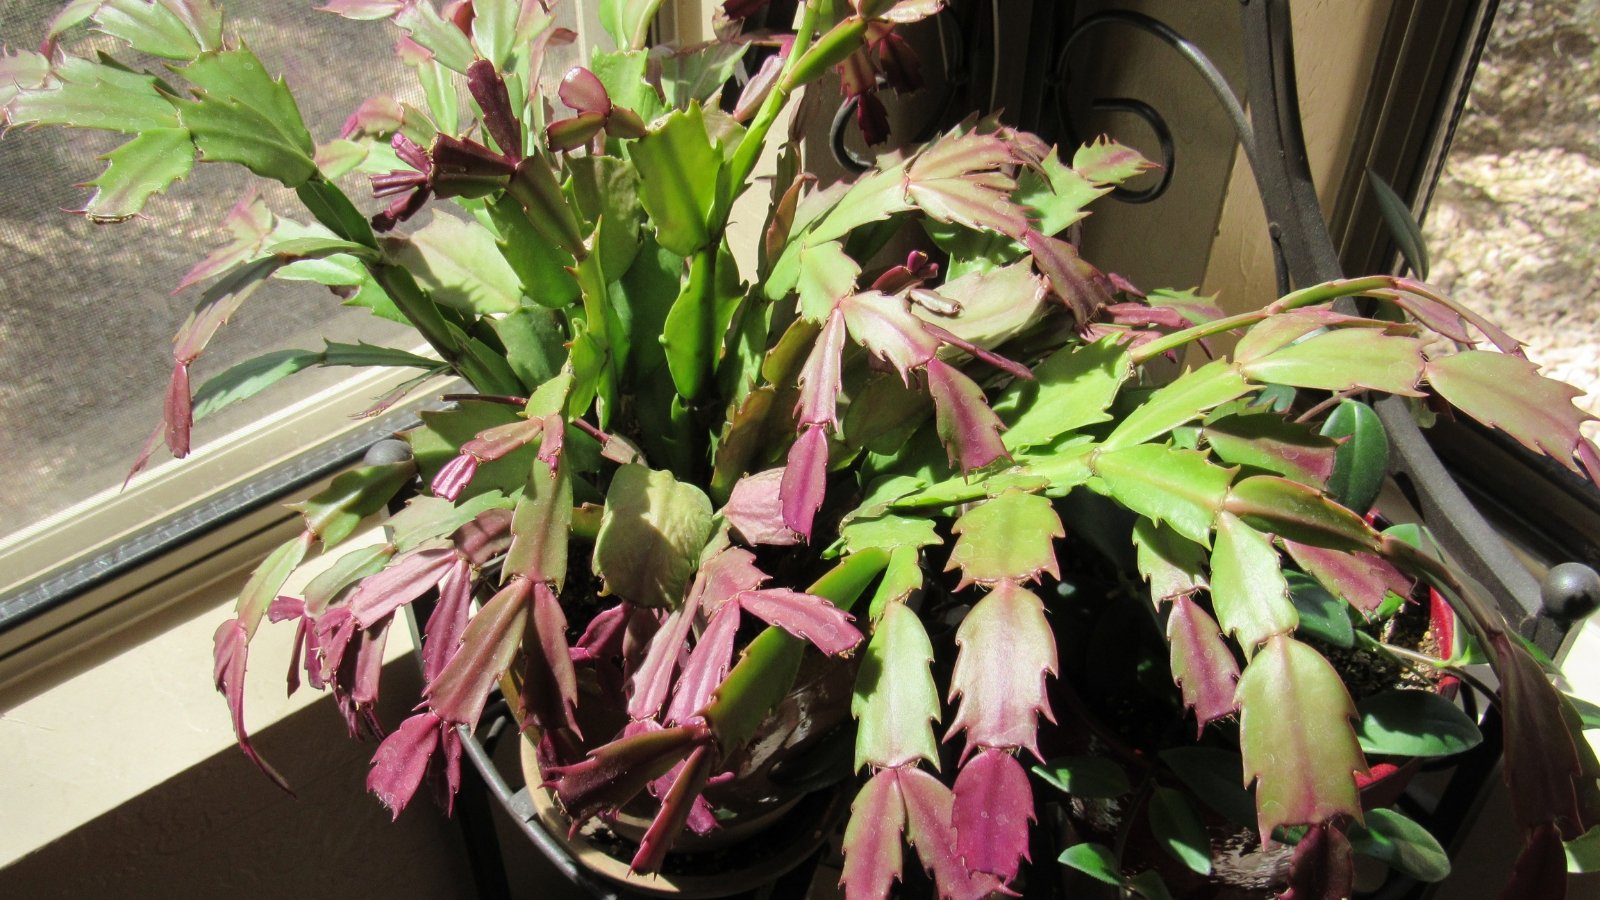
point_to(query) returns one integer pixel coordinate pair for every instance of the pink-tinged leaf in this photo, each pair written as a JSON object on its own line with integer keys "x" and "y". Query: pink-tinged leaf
{"x": 990, "y": 306}
{"x": 267, "y": 580}
{"x": 884, "y": 325}
{"x": 902, "y": 68}
{"x": 249, "y": 221}
{"x": 1436, "y": 316}
{"x": 284, "y": 608}
{"x": 807, "y": 617}
{"x": 821, "y": 378}
{"x": 1079, "y": 286}
{"x": 908, "y": 11}
{"x": 1298, "y": 512}
{"x": 178, "y": 411}
{"x": 872, "y": 842}
{"x": 369, "y": 663}
{"x": 1323, "y": 868}
{"x": 1343, "y": 360}
{"x": 615, "y": 773}
{"x": 755, "y": 510}
{"x": 728, "y": 573}
{"x": 1362, "y": 580}
{"x": 550, "y": 684}
{"x": 451, "y": 741}
{"x": 402, "y": 760}
{"x": 231, "y": 647}
{"x": 1270, "y": 442}
{"x": 502, "y": 440}
{"x": 489, "y": 89}
{"x": 375, "y": 117}
{"x": 484, "y": 538}
{"x": 1248, "y": 590}
{"x": 708, "y": 665}
{"x": 1410, "y": 290}
{"x": 1296, "y": 736}
{"x": 872, "y": 118}
{"x": 1008, "y": 538}
{"x": 540, "y": 525}
{"x": 449, "y": 620}
{"x": 487, "y": 648}
{"x": 582, "y": 92}
{"x": 1507, "y": 392}
{"x": 653, "y": 679}
{"x": 143, "y": 459}
{"x": 1006, "y": 652}
{"x": 602, "y": 637}
{"x": 408, "y": 577}
{"x": 931, "y": 832}
{"x": 894, "y": 697}
{"x": 1010, "y": 367}
{"x": 454, "y": 476}
{"x": 857, "y": 74}
{"x": 365, "y": 9}
{"x": 676, "y": 808}
{"x": 1174, "y": 565}
{"x": 550, "y": 445}
{"x": 968, "y": 428}
{"x": 1107, "y": 162}
{"x": 962, "y": 179}
{"x": 805, "y": 481}
{"x": 573, "y": 132}
{"x": 1541, "y": 869}
{"x": 332, "y": 633}
{"x": 1202, "y": 664}
{"x": 758, "y": 87}
{"x": 992, "y": 809}
{"x": 1142, "y": 315}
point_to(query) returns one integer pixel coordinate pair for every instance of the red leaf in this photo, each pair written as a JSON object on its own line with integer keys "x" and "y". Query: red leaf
{"x": 1080, "y": 286}
{"x": 407, "y": 578}
{"x": 1360, "y": 579}
{"x": 1323, "y": 867}
{"x": 653, "y": 679}
{"x": 755, "y": 510}
{"x": 449, "y": 620}
{"x": 805, "y": 616}
{"x": 993, "y": 806}
{"x": 454, "y": 476}
{"x": 489, "y": 89}
{"x": 402, "y": 760}
{"x": 707, "y": 666}
{"x": 961, "y": 178}
{"x": 1507, "y": 392}
{"x": 821, "y": 378}
{"x": 929, "y": 829}
{"x": 178, "y": 410}
{"x": 1006, "y": 650}
{"x": 872, "y": 847}
{"x": 550, "y": 685}
{"x": 676, "y": 808}
{"x": 582, "y": 92}
{"x": 230, "y": 651}
{"x": 1202, "y": 664}
{"x": 968, "y": 428}
{"x": 487, "y": 647}
{"x": 1541, "y": 869}
{"x": 729, "y": 573}
{"x": 805, "y": 481}
{"x": 615, "y": 773}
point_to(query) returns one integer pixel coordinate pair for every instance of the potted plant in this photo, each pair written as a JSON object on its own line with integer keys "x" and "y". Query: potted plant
{"x": 683, "y": 480}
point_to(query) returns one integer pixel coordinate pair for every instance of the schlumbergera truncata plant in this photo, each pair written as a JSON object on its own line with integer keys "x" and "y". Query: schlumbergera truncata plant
{"x": 684, "y": 477}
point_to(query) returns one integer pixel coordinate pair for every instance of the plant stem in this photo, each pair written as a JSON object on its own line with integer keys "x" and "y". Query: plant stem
{"x": 1421, "y": 659}
{"x": 1317, "y": 293}
{"x": 1332, "y": 400}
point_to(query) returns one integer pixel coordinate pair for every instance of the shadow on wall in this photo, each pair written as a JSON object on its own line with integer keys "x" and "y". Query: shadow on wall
{"x": 221, "y": 829}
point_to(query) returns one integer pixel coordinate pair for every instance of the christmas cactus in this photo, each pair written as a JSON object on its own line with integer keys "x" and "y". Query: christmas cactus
{"x": 681, "y": 475}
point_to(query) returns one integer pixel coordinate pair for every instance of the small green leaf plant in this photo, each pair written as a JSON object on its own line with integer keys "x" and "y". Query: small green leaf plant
{"x": 684, "y": 475}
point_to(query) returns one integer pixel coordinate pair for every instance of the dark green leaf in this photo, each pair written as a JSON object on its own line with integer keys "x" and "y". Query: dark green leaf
{"x": 1089, "y": 777}
{"x": 1362, "y": 461}
{"x": 1406, "y": 846}
{"x": 1148, "y": 884}
{"x": 335, "y": 211}
{"x": 534, "y": 344}
{"x": 249, "y": 378}
{"x": 1322, "y": 615}
{"x": 1402, "y": 224}
{"x": 1214, "y": 776}
{"x": 365, "y": 354}
{"x": 1094, "y": 860}
{"x": 606, "y": 189}
{"x": 1179, "y": 830}
{"x": 538, "y": 262}
{"x": 1588, "y": 713}
{"x": 1414, "y": 723}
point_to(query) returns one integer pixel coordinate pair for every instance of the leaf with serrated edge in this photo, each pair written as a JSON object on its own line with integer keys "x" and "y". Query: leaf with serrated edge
{"x": 1300, "y": 513}
{"x": 872, "y": 846}
{"x": 889, "y": 532}
{"x": 1071, "y": 389}
{"x": 678, "y": 168}
{"x": 1508, "y": 393}
{"x": 992, "y": 809}
{"x": 1362, "y": 580}
{"x": 1107, "y": 162}
{"x": 1006, "y": 651}
{"x": 1179, "y": 487}
{"x": 1248, "y": 589}
{"x": 244, "y": 115}
{"x": 1202, "y": 664}
{"x": 894, "y": 698}
{"x": 1008, "y": 538}
{"x": 139, "y": 169}
{"x": 1343, "y": 360}
{"x": 827, "y": 275}
{"x": 1182, "y": 401}
{"x": 1297, "y": 738}
{"x": 1174, "y": 565}
{"x": 931, "y": 832}
{"x": 1271, "y": 443}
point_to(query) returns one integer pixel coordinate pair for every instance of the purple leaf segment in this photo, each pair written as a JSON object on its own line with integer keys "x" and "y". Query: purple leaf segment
{"x": 931, "y": 831}
{"x": 1006, "y": 650}
{"x": 805, "y": 481}
{"x": 487, "y": 647}
{"x": 755, "y": 510}
{"x": 1202, "y": 664}
{"x": 993, "y": 806}
{"x": 805, "y": 616}
{"x": 231, "y": 650}
{"x": 1323, "y": 867}
{"x": 872, "y": 844}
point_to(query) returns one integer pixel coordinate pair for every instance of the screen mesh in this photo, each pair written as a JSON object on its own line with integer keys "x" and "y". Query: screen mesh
{"x": 87, "y": 311}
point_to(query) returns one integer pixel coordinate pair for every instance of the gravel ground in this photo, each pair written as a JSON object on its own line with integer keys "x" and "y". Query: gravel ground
{"x": 1513, "y": 226}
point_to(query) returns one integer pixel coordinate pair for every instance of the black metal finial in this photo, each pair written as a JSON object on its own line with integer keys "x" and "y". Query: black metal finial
{"x": 1570, "y": 592}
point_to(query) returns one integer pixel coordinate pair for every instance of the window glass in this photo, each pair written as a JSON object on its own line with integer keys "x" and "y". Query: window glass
{"x": 1513, "y": 225}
